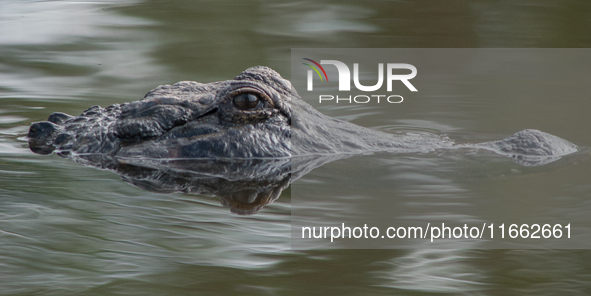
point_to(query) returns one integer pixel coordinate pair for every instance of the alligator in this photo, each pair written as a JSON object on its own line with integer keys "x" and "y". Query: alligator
{"x": 242, "y": 140}
{"x": 258, "y": 114}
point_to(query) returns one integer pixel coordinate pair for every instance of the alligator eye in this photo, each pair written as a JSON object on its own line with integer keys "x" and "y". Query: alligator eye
{"x": 246, "y": 101}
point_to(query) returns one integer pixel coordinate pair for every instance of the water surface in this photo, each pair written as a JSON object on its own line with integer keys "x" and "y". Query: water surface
{"x": 67, "y": 229}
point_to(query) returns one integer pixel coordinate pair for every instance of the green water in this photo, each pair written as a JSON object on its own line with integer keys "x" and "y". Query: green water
{"x": 67, "y": 229}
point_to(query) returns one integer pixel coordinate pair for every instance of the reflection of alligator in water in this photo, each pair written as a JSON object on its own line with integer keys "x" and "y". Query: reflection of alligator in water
{"x": 245, "y": 185}
{"x": 258, "y": 115}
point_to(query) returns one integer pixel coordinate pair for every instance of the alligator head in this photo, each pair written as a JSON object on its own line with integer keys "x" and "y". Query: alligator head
{"x": 246, "y": 117}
